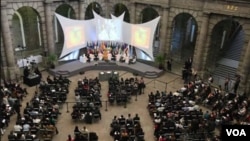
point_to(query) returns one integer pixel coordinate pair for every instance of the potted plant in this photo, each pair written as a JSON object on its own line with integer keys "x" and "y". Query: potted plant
{"x": 52, "y": 58}
{"x": 160, "y": 60}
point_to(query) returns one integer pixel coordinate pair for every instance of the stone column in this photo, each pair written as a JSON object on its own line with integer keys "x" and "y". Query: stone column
{"x": 198, "y": 60}
{"x": 163, "y": 30}
{"x": 49, "y": 27}
{"x": 82, "y": 9}
{"x": 132, "y": 12}
{"x": 7, "y": 43}
{"x": 108, "y": 9}
{"x": 3, "y": 63}
{"x": 245, "y": 68}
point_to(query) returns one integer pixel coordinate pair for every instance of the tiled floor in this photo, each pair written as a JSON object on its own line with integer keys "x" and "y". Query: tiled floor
{"x": 66, "y": 126}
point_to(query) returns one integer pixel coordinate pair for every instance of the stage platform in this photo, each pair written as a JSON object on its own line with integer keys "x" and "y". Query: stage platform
{"x": 76, "y": 67}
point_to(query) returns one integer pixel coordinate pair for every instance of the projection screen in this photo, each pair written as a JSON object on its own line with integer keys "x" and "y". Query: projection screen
{"x": 77, "y": 33}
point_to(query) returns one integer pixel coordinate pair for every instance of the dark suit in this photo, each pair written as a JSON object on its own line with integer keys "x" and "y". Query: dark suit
{"x": 30, "y": 137}
{"x": 26, "y": 72}
{"x": 12, "y": 137}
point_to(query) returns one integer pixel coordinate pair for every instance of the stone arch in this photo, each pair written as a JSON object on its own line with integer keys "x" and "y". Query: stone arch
{"x": 119, "y": 8}
{"x": 148, "y": 13}
{"x": 70, "y": 5}
{"x": 245, "y": 25}
{"x": 63, "y": 10}
{"x": 243, "y": 22}
{"x": 225, "y": 47}
{"x": 32, "y": 29}
{"x": 38, "y": 6}
{"x": 173, "y": 12}
{"x": 244, "y": 63}
{"x": 183, "y": 37}
{"x": 20, "y": 18}
{"x": 140, "y": 7}
{"x": 97, "y": 7}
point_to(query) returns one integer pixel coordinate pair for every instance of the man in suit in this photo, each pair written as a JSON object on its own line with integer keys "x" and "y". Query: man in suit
{"x": 29, "y": 137}
{"x": 38, "y": 73}
{"x": 169, "y": 65}
{"x": 133, "y": 60}
{"x": 12, "y": 136}
{"x": 26, "y": 72}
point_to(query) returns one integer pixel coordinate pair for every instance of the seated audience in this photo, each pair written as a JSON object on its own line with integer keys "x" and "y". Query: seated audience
{"x": 133, "y": 60}
{"x": 122, "y": 59}
{"x": 70, "y": 138}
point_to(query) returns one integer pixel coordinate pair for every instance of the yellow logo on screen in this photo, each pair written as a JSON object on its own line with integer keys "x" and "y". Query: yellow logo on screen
{"x": 141, "y": 36}
{"x": 75, "y": 36}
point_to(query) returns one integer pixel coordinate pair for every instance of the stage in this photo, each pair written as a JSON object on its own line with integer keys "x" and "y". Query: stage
{"x": 76, "y": 67}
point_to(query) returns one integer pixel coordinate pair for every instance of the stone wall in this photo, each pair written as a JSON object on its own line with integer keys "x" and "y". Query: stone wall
{"x": 213, "y": 11}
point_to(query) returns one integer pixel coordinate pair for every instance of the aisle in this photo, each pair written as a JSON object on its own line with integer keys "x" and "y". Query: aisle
{"x": 137, "y": 105}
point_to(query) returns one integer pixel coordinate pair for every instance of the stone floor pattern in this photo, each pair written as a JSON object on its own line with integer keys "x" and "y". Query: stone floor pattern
{"x": 138, "y": 105}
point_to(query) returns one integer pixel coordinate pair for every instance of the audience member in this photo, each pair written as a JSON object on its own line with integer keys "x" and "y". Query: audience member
{"x": 70, "y": 138}
{"x": 18, "y": 127}
{"x": 37, "y": 71}
{"x": 226, "y": 84}
{"x": 133, "y": 60}
{"x": 169, "y": 65}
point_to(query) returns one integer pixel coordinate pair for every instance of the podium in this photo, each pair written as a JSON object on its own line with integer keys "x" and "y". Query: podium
{"x": 31, "y": 80}
{"x": 102, "y": 76}
{"x": 105, "y": 76}
{"x": 108, "y": 75}
{"x": 115, "y": 74}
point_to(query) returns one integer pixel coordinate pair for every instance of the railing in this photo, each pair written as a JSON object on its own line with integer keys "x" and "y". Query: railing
{"x": 166, "y": 83}
{"x": 106, "y": 105}
{"x": 220, "y": 81}
{"x": 67, "y": 103}
{"x": 237, "y": 1}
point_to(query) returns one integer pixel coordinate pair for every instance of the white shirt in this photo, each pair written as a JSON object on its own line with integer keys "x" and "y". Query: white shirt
{"x": 179, "y": 126}
{"x": 78, "y": 98}
{"x": 5, "y": 100}
{"x": 157, "y": 120}
{"x": 26, "y": 127}
{"x": 18, "y": 128}
{"x": 210, "y": 79}
{"x": 85, "y": 131}
{"x": 134, "y": 60}
{"x": 242, "y": 111}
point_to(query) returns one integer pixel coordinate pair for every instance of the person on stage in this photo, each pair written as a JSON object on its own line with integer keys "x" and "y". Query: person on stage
{"x": 38, "y": 73}
{"x": 133, "y": 60}
{"x": 122, "y": 59}
{"x": 88, "y": 56}
{"x": 26, "y": 72}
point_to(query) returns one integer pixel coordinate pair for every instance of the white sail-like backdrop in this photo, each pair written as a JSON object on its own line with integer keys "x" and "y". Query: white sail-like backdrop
{"x": 77, "y": 33}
